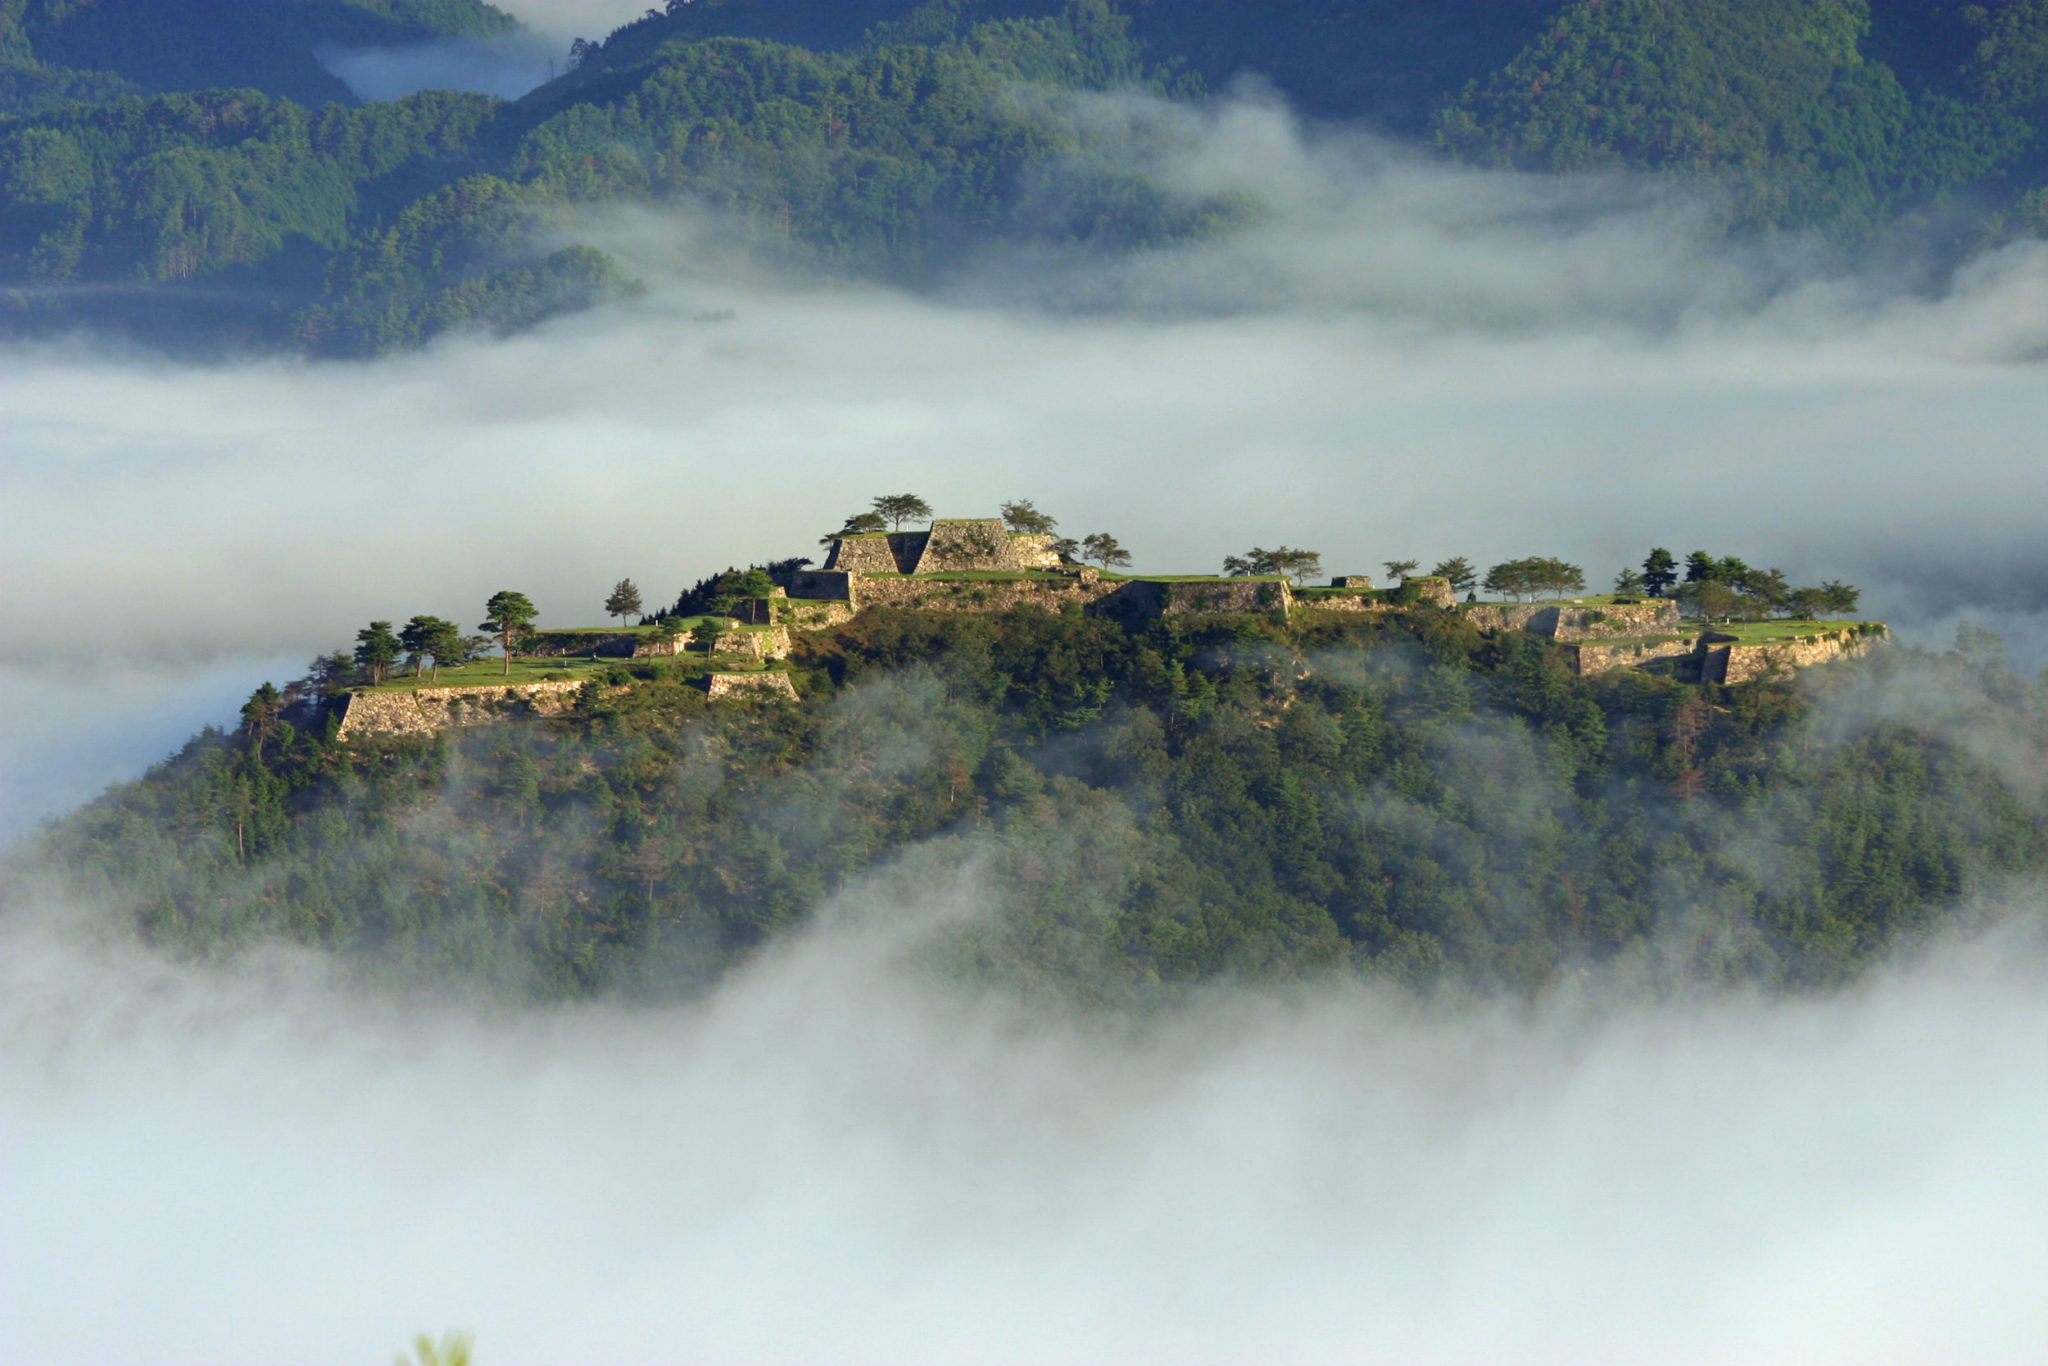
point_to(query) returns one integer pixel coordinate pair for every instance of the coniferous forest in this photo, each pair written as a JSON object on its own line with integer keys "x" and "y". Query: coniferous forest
{"x": 1135, "y": 806}
{"x": 194, "y": 175}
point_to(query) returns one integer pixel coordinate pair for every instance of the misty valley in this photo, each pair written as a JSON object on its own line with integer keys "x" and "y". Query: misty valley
{"x": 1281, "y": 850}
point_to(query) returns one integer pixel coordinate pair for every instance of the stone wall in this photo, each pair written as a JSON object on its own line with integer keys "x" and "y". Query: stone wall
{"x": 423, "y": 711}
{"x": 806, "y": 614}
{"x": 750, "y": 685}
{"x": 1352, "y": 581}
{"x": 1564, "y": 621}
{"x": 985, "y": 595}
{"x": 1344, "y": 602}
{"x": 821, "y": 585}
{"x": 1737, "y": 663}
{"x": 981, "y": 543}
{"x": 1142, "y": 598}
{"x": 865, "y": 555}
{"x": 769, "y": 644}
{"x": 1594, "y": 657}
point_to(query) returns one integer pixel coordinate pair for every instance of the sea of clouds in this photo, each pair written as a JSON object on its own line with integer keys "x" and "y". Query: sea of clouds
{"x": 834, "y": 1155}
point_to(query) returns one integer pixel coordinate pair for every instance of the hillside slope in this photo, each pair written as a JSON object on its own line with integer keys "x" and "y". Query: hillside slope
{"x": 885, "y": 138}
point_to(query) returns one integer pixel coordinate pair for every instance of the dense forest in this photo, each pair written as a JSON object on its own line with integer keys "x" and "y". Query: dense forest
{"x": 191, "y": 172}
{"x": 1126, "y": 808}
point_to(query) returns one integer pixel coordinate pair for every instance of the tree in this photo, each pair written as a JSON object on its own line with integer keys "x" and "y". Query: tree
{"x": 1508, "y": 579}
{"x": 376, "y": 649}
{"x": 1067, "y": 548}
{"x": 448, "y": 646}
{"x": 1401, "y": 569}
{"x": 1660, "y": 571}
{"x": 1629, "y": 584}
{"x": 432, "y": 636}
{"x": 418, "y": 639}
{"x": 1700, "y": 567}
{"x": 511, "y": 617}
{"x": 1840, "y": 597}
{"x": 1284, "y": 561}
{"x": 1806, "y": 604}
{"x": 860, "y": 524}
{"x": 331, "y": 675}
{"x": 704, "y": 635}
{"x": 1463, "y": 578}
{"x": 624, "y": 601}
{"x": 1102, "y": 548}
{"x": 260, "y": 714}
{"x": 1027, "y": 520}
{"x": 898, "y": 508}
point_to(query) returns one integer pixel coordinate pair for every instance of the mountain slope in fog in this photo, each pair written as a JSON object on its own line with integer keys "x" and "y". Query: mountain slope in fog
{"x": 897, "y": 141}
{"x": 1125, "y": 807}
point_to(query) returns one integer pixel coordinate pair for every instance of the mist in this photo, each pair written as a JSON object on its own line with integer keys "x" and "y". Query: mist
{"x": 838, "y": 1155}
{"x": 1397, "y": 360}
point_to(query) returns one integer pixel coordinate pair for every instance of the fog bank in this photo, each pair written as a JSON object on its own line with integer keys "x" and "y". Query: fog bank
{"x": 1400, "y": 360}
{"x": 836, "y": 1158}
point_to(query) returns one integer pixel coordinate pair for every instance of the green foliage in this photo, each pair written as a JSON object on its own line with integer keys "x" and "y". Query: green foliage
{"x": 1143, "y": 806}
{"x": 896, "y": 139}
{"x": 1772, "y": 100}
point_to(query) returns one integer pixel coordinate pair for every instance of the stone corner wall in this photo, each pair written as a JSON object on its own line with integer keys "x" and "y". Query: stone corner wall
{"x": 769, "y": 644}
{"x": 861, "y": 555}
{"x": 1747, "y": 663}
{"x": 423, "y": 711}
{"x": 718, "y": 686}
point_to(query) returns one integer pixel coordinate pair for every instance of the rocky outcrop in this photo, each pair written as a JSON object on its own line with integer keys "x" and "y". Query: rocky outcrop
{"x": 422, "y": 711}
{"x": 719, "y": 686}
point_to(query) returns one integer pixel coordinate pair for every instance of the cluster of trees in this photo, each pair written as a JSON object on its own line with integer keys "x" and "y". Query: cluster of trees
{"x": 1726, "y": 588}
{"x": 886, "y": 146}
{"x": 1534, "y": 576}
{"x": 1284, "y": 561}
{"x": 1145, "y": 806}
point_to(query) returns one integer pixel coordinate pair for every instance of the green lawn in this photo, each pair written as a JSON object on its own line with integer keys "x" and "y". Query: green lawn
{"x": 490, "y": 672}
{"x": 1766, "y": 632}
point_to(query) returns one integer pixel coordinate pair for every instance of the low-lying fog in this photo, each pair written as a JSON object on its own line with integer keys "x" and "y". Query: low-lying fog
{"x": 833, "y": 1159}
{"x": 1404, "y": 361}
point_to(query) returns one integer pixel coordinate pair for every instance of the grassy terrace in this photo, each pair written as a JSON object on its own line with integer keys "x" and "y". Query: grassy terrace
{"x": 1770, "y": 632}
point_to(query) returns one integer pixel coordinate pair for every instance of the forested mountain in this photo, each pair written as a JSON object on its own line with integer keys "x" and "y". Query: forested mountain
{"x": 1159, "y": 803}
{"x": 247, "y": 200}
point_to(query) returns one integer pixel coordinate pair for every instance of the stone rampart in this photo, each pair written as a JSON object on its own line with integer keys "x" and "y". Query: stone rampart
{"x": 1738, "y": 663}
{"x": 1143, "y": 598}
{"x": 719, "y": 686}
{"x": 769, "y": 644}
{"x": 1565, "y": 621}
{"x": 1596, "y": 657}
{"x": 981, "y": 543}
{"x": 1356, "y": 603}
{"x": 602, "y": 644}
{"x": 978, "y": 595}
{"x": 871, "y": 554}
{"x": 423, "y": 711}
{"x": 807, "y": 614}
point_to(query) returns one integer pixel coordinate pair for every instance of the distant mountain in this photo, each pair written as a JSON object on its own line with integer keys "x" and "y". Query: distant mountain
{"x": 267, "y": 45}
{"x": 875, "y": 136}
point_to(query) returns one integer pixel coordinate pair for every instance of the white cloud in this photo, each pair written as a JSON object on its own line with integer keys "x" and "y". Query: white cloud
{"x": 832, "y": 1158}
{"x": 1402, "y": 361}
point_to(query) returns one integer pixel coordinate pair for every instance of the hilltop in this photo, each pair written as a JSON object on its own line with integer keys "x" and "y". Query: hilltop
{"x": 1158, "y": 780}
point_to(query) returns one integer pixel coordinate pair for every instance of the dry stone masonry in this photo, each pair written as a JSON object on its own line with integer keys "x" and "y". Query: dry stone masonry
{"x": 423, "y": 711}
